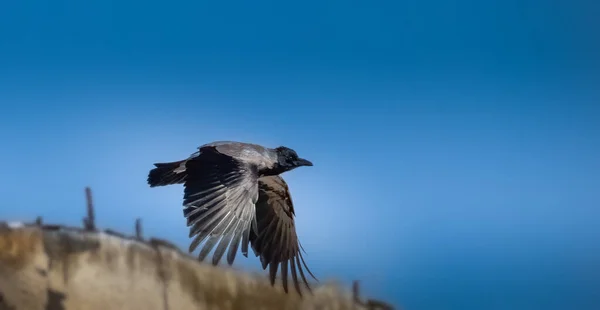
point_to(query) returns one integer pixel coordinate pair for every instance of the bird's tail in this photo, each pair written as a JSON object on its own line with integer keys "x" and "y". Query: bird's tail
{"x": 167, "y": 174}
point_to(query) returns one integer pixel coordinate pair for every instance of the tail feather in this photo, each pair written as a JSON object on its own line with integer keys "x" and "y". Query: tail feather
{"x": 167, "y": 174}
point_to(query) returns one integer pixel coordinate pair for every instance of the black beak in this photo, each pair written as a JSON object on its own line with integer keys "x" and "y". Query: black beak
{"x": 302, "y": 162}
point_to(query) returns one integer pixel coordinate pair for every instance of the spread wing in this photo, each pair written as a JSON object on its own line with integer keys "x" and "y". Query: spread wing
{"x": 219, "y": 203}
{"x": 276, "y": 241}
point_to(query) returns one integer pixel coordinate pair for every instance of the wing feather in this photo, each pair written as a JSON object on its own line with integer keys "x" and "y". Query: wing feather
{"x": 219, "y": 203}
{"x": 276, "y": 242}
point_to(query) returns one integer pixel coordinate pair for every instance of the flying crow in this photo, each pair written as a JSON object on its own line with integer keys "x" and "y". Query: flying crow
{"x": 234, "y": 196}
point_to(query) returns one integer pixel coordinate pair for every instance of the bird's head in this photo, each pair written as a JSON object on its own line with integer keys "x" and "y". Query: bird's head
{"x": 287, "y": 159}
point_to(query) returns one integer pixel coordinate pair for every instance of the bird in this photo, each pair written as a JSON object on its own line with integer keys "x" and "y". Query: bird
{"x": 234, "y": 196}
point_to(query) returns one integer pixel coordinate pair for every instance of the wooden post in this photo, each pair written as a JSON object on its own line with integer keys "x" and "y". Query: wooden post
{"x": 138, "y": 229}
{"x": 89, "y": 221}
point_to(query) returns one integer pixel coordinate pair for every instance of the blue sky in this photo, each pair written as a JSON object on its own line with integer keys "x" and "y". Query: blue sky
{"x": 455, "y": 144}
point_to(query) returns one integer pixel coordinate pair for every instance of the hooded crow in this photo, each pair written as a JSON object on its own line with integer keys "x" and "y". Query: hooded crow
{"x": 234, "y": 196}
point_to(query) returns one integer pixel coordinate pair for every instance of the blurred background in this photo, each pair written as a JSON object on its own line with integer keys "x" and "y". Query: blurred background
{"x": 456, "y": 144}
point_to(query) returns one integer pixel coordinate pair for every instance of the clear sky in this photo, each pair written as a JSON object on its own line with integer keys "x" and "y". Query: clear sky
{"x": 456, "y": 144}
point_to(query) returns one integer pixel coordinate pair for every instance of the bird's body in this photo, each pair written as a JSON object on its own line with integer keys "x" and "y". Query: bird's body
{"x": 234, "y": 197}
